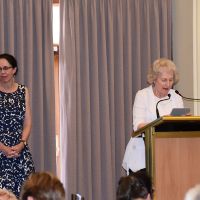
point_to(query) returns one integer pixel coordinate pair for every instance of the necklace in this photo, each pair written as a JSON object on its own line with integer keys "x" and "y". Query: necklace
{"x": 9, "y": 88}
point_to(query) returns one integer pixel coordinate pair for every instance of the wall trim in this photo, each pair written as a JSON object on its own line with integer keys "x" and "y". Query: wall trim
{"x": 196, "y": 54}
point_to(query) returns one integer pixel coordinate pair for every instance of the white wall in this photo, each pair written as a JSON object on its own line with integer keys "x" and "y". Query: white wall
{"x": 183, "y": 47}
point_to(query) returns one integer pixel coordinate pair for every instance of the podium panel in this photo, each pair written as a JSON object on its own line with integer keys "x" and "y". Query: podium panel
{"x": 177, "y": 165}
{"x": 172, "y": 155}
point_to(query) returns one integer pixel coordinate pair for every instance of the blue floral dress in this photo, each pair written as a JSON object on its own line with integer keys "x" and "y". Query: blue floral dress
{"x": 13, "y": 171}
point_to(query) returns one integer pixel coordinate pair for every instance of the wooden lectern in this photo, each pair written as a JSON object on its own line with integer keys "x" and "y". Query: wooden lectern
{"x": 172, "y": 155}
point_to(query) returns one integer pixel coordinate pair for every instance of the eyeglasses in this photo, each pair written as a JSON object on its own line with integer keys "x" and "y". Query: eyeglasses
{"x": 5, "y": 68}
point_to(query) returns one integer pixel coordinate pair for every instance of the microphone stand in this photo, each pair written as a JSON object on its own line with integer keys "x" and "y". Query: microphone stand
{"x": 186, "y": 98}
{"x": 157, "y": 111}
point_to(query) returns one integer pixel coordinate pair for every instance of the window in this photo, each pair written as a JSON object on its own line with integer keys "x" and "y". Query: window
{"x": 56, "y": 28}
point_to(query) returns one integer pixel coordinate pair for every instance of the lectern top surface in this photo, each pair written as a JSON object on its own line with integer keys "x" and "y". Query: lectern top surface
{"x": 172, "y": 123}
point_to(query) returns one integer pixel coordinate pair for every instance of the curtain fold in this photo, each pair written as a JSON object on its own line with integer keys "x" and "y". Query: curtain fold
{"x": 26, "y": 32}
{"x": 106, "y": 47}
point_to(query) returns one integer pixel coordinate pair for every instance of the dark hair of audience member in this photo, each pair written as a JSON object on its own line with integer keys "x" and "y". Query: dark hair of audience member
{"x": 146, "y": 179}
{"x": 131, "y": 187}
{"x": 136, "y": 185}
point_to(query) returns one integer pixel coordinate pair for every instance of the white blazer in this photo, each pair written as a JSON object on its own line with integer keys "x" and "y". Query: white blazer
{"x": 144, "y": 111}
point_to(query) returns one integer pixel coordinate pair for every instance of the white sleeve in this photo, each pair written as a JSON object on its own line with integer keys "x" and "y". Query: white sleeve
{"x": 139, "y": 109}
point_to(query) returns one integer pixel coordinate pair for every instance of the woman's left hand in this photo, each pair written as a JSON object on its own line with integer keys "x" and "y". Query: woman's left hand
{"x": 17, "y": 149}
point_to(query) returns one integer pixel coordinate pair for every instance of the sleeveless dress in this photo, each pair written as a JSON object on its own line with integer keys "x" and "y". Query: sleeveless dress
{"x": 13, "y": 171}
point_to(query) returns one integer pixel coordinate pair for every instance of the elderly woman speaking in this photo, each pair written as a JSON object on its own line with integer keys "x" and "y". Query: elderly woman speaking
{"x": 162, "y": 76}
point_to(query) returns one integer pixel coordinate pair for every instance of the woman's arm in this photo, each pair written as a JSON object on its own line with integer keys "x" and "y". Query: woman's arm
{"x": 26, "y": 126}
{"x": 28, "y": 118}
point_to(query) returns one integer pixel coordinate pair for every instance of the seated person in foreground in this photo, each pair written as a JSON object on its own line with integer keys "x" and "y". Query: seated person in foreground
{"x": 7, "y": 195}
{"x": 136, "y": 186}
{"x": 193, "y": 193}
{"x": 42, "y": 186}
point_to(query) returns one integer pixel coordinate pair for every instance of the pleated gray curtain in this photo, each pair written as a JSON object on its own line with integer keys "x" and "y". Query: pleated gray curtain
{"x": 106, "y": 47}
{"x": 26, "y": 32}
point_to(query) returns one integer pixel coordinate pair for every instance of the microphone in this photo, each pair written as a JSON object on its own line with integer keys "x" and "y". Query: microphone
{"x": 186, "y": 98}
{"x": 157, "y": 111}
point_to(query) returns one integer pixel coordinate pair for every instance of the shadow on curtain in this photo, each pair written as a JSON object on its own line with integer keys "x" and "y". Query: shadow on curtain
{"x": 105, "y": 49}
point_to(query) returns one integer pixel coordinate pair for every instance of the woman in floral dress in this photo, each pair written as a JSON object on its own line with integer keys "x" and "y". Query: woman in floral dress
{"x": 16, "y": 162}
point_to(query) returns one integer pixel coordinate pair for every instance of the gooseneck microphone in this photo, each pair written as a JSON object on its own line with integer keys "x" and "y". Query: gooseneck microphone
{"x": 157, "y": 111}
{"x": 186, "y": 98}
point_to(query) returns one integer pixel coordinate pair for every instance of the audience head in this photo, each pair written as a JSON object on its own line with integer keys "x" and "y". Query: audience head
{"x": 142, "y": 175}
{"x": 11, "y": 60}
{"x": 157, "y": 67}
{"x": 136, "y": 186}
{"x": 193, "y": 193}
{"x": 7, "y": 195}
{"x": 42, "y": 186}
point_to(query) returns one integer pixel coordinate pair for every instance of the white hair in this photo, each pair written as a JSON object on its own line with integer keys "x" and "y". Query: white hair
{"x": 193, "y": 193}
